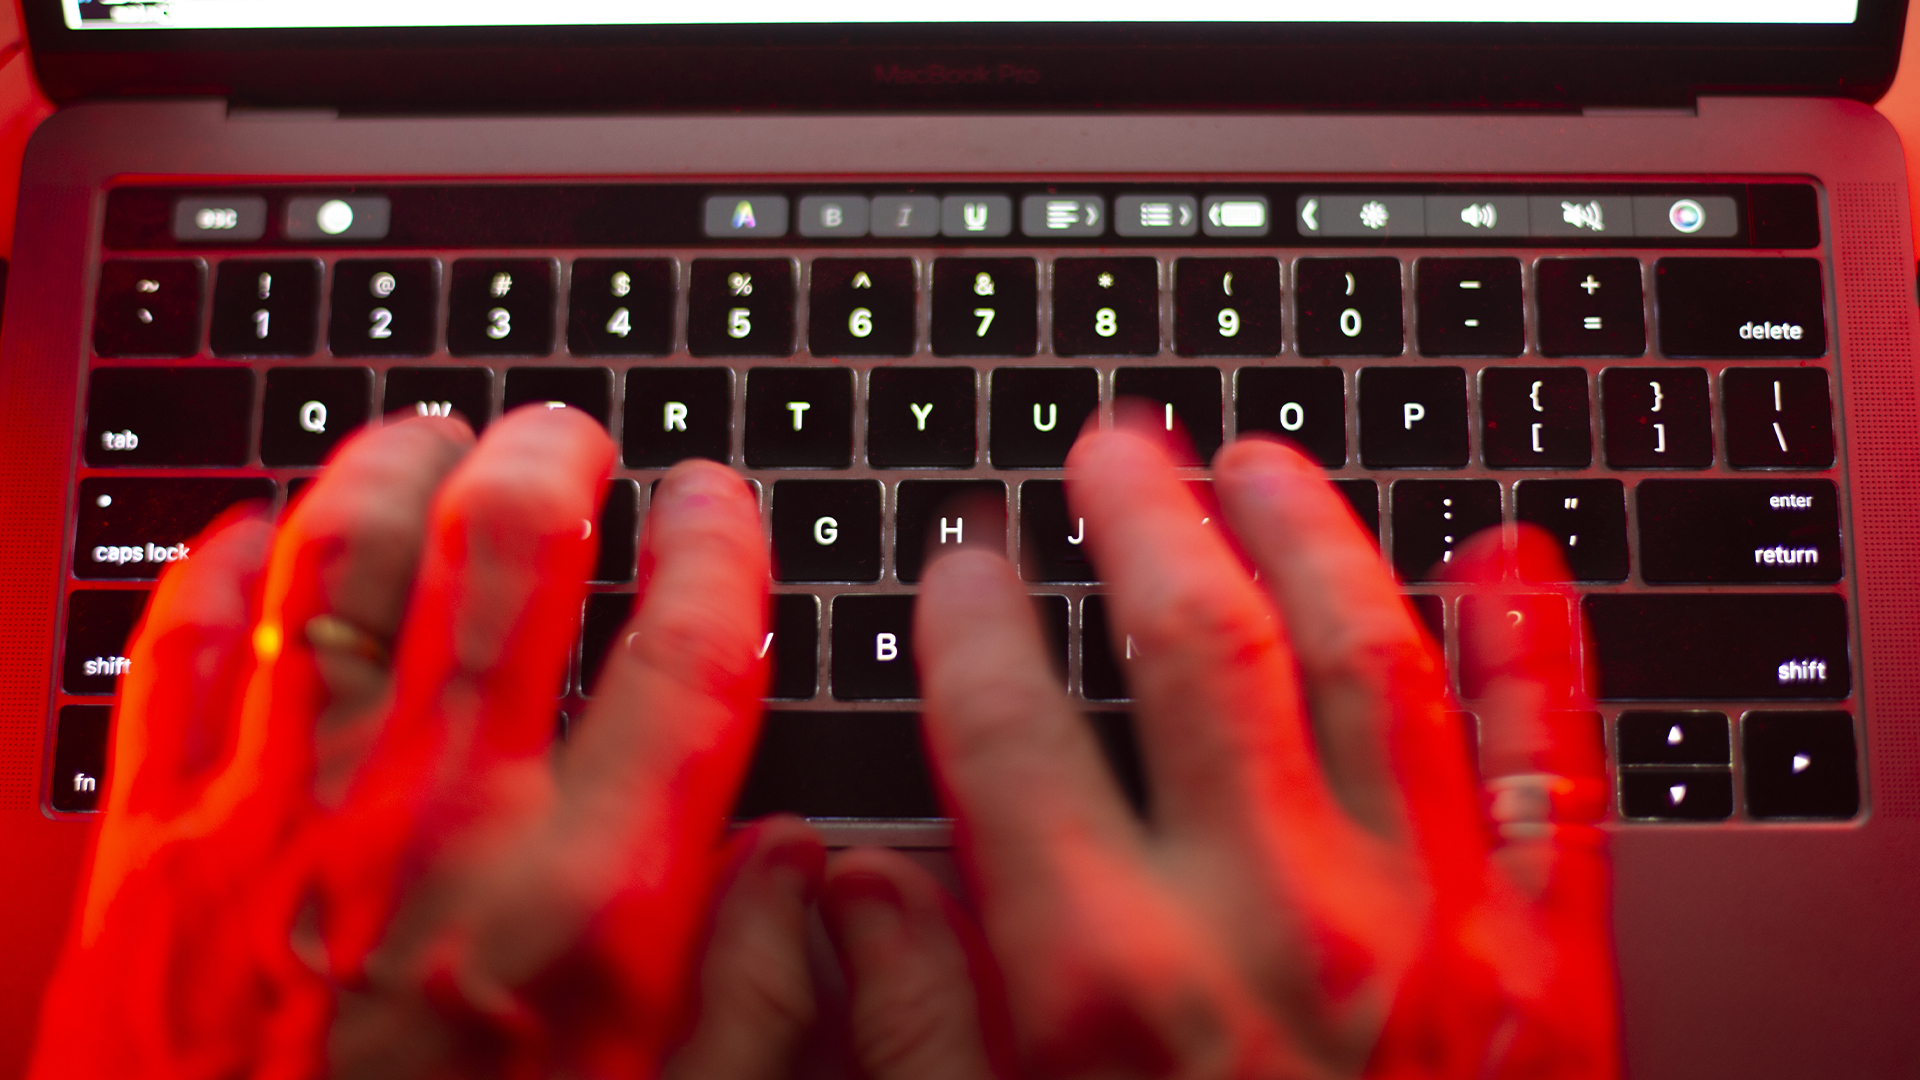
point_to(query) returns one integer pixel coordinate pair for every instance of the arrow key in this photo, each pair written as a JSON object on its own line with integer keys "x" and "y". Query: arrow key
{"x": 1800, "y": 765}
{"x": 1676, "y": 794}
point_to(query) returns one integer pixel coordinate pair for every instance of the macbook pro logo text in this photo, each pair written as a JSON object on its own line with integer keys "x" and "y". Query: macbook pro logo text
{"x": 943, "y": 75}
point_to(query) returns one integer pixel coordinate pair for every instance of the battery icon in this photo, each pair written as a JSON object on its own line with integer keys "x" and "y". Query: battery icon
{"x": 1238, "y": 214}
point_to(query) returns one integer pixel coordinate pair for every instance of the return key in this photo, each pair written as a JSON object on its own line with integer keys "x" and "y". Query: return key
{"x": 1702, "y": 531}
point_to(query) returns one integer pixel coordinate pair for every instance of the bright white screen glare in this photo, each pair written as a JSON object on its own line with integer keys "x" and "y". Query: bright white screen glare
{"x": 297, "y": 14}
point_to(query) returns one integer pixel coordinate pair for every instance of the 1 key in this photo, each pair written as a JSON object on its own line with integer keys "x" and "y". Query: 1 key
{"x": 265, "y": 307}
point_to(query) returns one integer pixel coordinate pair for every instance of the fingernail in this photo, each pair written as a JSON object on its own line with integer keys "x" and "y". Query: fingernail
{"x": 866, "y": 903}
{"x": 795, "y": 867}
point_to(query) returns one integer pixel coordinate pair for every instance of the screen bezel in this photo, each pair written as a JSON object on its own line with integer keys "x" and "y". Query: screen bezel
{"x": 1160, "y": 67}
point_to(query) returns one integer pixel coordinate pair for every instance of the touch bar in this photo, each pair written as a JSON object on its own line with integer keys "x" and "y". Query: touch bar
{"x": 1719, "y": 646}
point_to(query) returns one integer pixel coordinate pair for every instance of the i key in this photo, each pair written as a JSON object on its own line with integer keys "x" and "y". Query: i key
{"x": 265, "y": 307}
{"x": 740, "y": 307}
{"x": 1588, "y": 517}
{"x": 920, "y": 418}
{"x": 861, "y": 307}
{"x": 1037, "y": 413}
{"x": 308, "y": 410}
{"x": 1185, "y": 398}
{"x": 1656, "y": 418}
{"x": 935, "y": 514}
{"x": 986, "y": 307}
{"x": 383, "y": 307}
{"x": 1535, "y": 418}
{"x": 799, "y": 418}
{"x": 621, "y": 307}
{"x": 1777, "y": 418}
{"x": 826, "y": 530}
{"x": 1226, "y": 307}
{"x": 1106, "y": 307}
{"x": 677, "y": 413}
{"x": 1349, "y": 307}
{"x": 1413, "y": 417}
{"x": 500, "y": 307}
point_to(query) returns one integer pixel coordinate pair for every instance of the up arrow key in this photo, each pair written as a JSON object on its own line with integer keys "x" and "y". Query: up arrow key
{"x": 1674, "y": 736}
{"x": 862, "y": 281}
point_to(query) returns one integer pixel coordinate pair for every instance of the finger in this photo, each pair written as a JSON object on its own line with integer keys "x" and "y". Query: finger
{"x": 914, "y": 1010}
{"x": 755, "y": 999}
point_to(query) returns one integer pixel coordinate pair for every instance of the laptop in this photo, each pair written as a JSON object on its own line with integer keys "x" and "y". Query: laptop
{"x": 1637, "y": 273}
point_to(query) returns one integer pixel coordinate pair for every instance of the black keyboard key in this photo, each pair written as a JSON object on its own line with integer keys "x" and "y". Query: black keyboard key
{"x": 1545, "y": 618}
{"x": 617, "y": 533}
{"x": 383, "y": 307}
{"x": 1226, "y": 307}
{"x": 1433, "y": 518}
{"x": 148, "y": 308}
{"x": 500, "y": 307}
{"x": 1672, "y": 737}
{"x": 1349, "y": 307}
{"x": 1413, "y": 417}
{"x": 921, "y": 418}
{"x": 826, "y": 530}
{"x": 1676, "y": 794}
{"x": 80, "y": 746}
{"x": 1719, "y": 646}
{"x": 839, "y": 765}
{"x": 1364, "y": 497}
{"x": 589, "y": 389}
{"x": 1102, "y": 669}
{"x": 169, "y": 416}
{"x": 677, "y": 413}
{"x": 873, "y": 648}
{"x": 309, "y": 410}
{"x": 1800, "y": 765}
{"x": 602, "y": 622}
{"x": 100, "y": 622}
{"x": 799, "y": 418}
{"x": 1590, "y": 307}
{"x": 1740, "y": 307}
{"x": 1783, "y": 215}
{"x": 1106, "y": 307}
{"x": 1777, "y": 418}
{"x": 1037, "y": 413}
{"x": 620, "y": 307}
{"x": 740, "y": 307}
{"x": 129, "y": 529}
{"x": 441, "y": 391}
{"x": 1470, "y": 307}
{"x": 1185, "y": 399}
{"x": 1053, "y": 612}
{"x": 265, "y": 307}
{"x": 933, "y": 514}
{"x": 862, "y": 307}
{"x": 1052, "y": 541}
{"x": 792, "y": 646}
{"x": 1587, "y": 517}
{"x": 1535, "y": 418}
{"x": 1656, "y": 418}
{"x": 986, "y": 307}
{"x": 1306, "y": 405}
{"x": 1739, "y": 531}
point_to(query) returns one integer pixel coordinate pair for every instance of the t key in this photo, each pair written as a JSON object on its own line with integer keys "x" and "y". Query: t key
{"x": 799, "y": 418}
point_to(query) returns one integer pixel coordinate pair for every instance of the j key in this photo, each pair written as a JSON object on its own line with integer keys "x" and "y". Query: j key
{"x": 1186, "y": 400}
{"x": 589, "y": 389}
{"x": 1740, "y": 307}
{"x": 1364, "y": 497}
{"x": 383, "y": 307}
{"x": 1739, "y": 530}
{"x": 740, "y": 307}
{"x": 839, "y": 764}
{"x": 1590, "y": 307}
{"x": 617, "y": 533}
{"x": 620, "y": 307}
{"x": 1588, "y": 517}
{"x": 1778, "y": 419}
{"x": 1349, "y": 307}
{"x": 920, "y": 418}
{"x": 826, "y": 530}
{"x": 1470, "y": 307}
{"x": 1102, "y": 669}
{"x": 1052, "y": 541}
{"x": 265, "y": 308}
{"x": 677, "y": 413}
{"x": 1433, "y": 518}
{"x": 1226, "y": 307}
{"x": 130, "y": 529}
{"x": 1542, "y": 621}
{"x": 1719, "y": 646}
{"x": 168, "y": 416}
{"x": 1676, "y": 794}
{"x": 463, "y": 392}
{"x": 148, "y": 308}
{"x": 308, "y": 411}
{"x": 861, "y": 307}
{"x": 934, "y": 515}
{"x": 799, "y": 418}
{"x": 1037, "y": 413}
{"x": 985, "y": 307}
{"x": 1800, "y": 765}
{"x": 1535, "y": 418}
{"x": 1413, "y": 417}
{"x": 99, "y": 623}
{"x": 1673, "y": 738}
{"x": 792, "y": 645}
{"x": 80, "y": 743}
{"x": 1106, "y": 307}
{"x": 500, "y": 307}
{"x": 873, "y": 648}
{"x": 1656, "y": 418}
{"x": 1305, "y": 405}
{"x": 1053, "y": 611}
{"x": 601, "y": 624}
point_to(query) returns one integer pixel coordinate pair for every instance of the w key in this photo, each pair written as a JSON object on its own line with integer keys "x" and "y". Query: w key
{"x": 129, "y": 529}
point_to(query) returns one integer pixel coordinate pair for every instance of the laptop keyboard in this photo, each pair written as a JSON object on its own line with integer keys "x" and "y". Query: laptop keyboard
{"x": 1643, "y": 373}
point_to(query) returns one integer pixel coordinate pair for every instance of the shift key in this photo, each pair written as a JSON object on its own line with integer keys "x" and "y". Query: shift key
{"x": 1719, "y": 646}
{"x": 1739, "y": 531}
{"x": 130, "y": 528}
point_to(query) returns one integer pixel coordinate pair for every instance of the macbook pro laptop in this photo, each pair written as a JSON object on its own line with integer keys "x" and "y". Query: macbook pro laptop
{"x": 1638, "y": 273}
